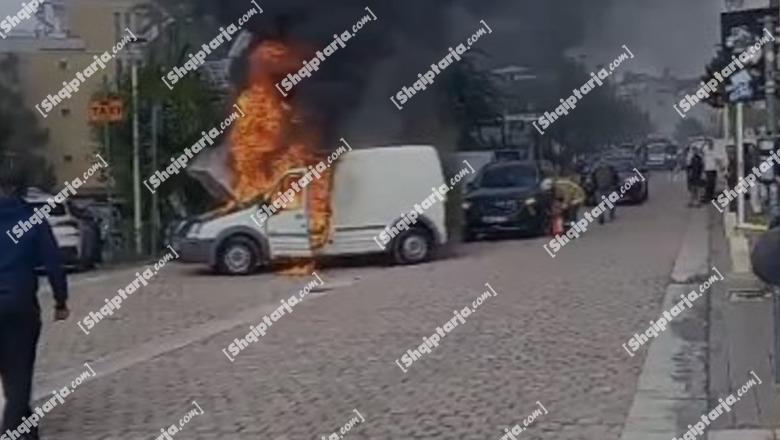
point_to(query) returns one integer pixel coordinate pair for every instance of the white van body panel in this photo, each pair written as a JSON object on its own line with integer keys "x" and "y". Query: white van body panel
{"x": 373, "y": 187}
{"x": 211, "y": 229}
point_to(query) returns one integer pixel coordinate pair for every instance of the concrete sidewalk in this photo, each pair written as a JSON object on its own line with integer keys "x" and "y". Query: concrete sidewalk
{"x": 672, "y": 389}
{"x": 741, "y": 340}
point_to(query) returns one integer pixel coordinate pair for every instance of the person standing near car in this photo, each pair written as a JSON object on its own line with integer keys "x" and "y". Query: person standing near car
{"x": 570, "y": 196}
{"x": 20, "y": 320}
{"x": 694, "y": 168}
{"x": 605, "y": 181}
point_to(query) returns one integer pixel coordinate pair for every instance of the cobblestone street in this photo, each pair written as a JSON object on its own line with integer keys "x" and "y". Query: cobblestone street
{"x": 552, "y": 334}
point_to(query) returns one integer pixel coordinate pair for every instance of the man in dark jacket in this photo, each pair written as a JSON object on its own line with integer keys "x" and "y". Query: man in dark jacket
{"x": 605, "y": 180}
{"x": 20, "y": 320}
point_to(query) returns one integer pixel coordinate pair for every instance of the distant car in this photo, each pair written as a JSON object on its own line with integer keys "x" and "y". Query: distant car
{"x": 639, "y": 191}
{"x": 508, "y": 196}
{"x": 659, "y": 157}
{"x": 66, "y": 227}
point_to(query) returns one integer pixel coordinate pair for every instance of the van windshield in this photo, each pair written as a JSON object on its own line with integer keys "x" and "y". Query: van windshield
{"x": 509, "y": 176}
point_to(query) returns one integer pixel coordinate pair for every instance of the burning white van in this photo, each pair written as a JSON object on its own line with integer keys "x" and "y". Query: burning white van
{"x": 371, "y": 189}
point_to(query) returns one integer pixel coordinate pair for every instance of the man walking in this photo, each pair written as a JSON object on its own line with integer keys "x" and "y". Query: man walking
{"x": 710, "y": 171}
{"x": 20, "y": 320}
{"x": 605, "y": 180}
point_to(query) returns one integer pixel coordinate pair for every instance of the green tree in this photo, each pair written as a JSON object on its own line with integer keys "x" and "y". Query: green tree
{"x": 473, "y": 99}
{"x": 190, "y": 107}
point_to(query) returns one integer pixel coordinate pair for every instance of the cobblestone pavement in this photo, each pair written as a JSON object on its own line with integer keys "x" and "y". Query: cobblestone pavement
{"x": 552, "y": 334}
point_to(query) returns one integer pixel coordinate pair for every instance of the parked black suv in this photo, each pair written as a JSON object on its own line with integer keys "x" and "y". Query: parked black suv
{"x": 509, "y": 196}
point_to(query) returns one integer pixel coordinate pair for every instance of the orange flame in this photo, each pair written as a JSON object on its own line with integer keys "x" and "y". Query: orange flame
{"x": 271, "y": 139}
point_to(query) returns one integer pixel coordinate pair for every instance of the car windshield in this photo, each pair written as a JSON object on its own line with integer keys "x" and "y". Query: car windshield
{"x": 508, "y": 176}
{"x": 623, "y": 166}
{"x": 58, "y": 209}
{"x": 657, "y": 149}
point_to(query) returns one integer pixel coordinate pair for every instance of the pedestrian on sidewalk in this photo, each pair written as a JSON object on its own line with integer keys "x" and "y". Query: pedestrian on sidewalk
{"x": 694, "y": 169}
{"x": 710, "y": 171}
{"x": 605, "y": 180}
{"x": 20, "y": 314}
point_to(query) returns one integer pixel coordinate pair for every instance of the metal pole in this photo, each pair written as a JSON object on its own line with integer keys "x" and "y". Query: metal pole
{"x": 109, "y": 189}
{"x": 769, "y": 68}
{"x": 726, "y": 123}
{"x": 155, "y": 200}
{"x": 740, "y": 166}
{"x": 136, "y": 162}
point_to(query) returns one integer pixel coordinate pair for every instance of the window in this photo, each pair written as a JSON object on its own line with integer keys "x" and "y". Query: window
{"x": 509, "y": 176}
{"x": 65, "y": 111}
{"x": 63, "y": 64}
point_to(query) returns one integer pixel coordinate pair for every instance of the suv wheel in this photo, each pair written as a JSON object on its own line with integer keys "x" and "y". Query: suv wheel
{"x": 412, "y": 246}
{"x": 238, "y": 256}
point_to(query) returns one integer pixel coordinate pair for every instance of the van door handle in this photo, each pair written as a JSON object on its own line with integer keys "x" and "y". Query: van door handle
{"x": 299, "y": 217}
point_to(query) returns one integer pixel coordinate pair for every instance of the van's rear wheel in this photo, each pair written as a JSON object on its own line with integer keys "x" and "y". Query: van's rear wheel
{"x": 413, "y": 246}
{"x": 238, "y": 256}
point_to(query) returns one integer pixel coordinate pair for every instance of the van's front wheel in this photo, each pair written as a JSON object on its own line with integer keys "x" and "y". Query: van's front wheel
{"x": 238, "y": 256}
{"x": 412, "y": 247}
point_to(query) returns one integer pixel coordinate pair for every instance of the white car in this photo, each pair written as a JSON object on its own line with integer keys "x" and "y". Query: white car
{"x": 372, "y": 188}
{"x": 65, "y": 226}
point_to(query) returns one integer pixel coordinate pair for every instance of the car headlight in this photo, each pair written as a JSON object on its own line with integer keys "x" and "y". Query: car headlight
{"x": 466, "y": 205}
{"x": 530, "y": 201}
{"x": 195, "y": 229}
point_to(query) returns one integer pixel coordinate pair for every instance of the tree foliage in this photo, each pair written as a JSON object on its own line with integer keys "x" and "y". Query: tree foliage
{"x": 601, "y": 117}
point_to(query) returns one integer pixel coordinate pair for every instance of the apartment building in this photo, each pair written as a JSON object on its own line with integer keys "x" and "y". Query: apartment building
{"x": 60, "y": 41}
